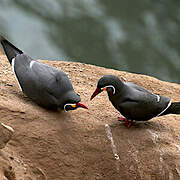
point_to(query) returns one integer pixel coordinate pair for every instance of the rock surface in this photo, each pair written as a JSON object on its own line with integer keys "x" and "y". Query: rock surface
{"x": 6, "y": 133}
{"x": 82, "y": 144}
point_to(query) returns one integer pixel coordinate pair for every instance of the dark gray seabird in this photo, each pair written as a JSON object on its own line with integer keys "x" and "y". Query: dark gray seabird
{"x": 133, "y": 101}
{"x": 45, "y": 85}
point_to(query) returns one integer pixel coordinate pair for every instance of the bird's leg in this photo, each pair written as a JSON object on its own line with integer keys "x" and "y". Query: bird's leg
{"x": 127, "y": 122}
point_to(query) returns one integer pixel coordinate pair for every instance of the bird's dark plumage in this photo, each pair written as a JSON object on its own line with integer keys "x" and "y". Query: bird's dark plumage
{"x": 47, "y": 86}
{"x": 173, "y": 109}
{"x": 135, "y": 102}
{"x": 10, "y": 50}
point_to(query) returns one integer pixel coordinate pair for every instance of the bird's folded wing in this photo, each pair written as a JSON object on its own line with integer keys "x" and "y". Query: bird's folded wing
{"x": 51, "y": 79}
{"x": 137, "y": 87}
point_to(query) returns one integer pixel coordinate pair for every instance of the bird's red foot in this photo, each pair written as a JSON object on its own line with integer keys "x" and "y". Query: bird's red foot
{"x": 122, "y": 119}
{"x": 127, "y": 123}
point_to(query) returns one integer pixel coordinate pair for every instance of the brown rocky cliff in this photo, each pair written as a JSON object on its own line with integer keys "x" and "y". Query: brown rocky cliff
{"x": 74, "y": 145}
{"x": 6, "y": 133}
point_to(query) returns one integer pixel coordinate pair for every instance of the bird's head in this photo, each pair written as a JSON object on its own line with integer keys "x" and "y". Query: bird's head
{"x": 109, "y": 83}
{"x": 73, "y": 102}
{"x": 73, "y": 106}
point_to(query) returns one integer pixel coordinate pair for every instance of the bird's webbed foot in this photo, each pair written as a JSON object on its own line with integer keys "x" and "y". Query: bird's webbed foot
{"x": 127, "y": 123}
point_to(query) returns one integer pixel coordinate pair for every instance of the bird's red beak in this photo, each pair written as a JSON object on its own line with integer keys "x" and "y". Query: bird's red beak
{"x": 96, "y": 92}
{"x": 81, "y": 105}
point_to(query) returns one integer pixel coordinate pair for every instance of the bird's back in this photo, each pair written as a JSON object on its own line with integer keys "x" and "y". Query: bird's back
{"x": 42, "y": 83}
{"x": 137, "y": 103}
{"x": 47, "y": 86}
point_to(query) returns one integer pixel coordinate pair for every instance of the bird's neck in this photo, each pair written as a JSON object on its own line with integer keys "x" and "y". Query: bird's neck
{"x": 117, "y": 88}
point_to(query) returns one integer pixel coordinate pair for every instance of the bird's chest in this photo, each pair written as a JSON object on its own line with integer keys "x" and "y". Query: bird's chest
{"x": 115, "y": 100}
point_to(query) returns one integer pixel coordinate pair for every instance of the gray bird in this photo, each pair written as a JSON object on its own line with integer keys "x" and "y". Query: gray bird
{"x": 45, "y": 85}
{"x": 134, "y": 102}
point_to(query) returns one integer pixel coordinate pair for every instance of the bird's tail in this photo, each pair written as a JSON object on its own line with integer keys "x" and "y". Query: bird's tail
{"x": 174, "y": 108}
{"x": 10, "y": 50}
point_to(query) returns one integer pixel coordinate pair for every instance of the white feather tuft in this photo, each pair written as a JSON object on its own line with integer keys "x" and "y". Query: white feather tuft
{"x": 158, "y": 98}
{"x": 165, "y": 108}
{"x": 13, "y": 68}
{"x": 31, "y": 64}
{"x": 114, "y": 90}
{"x": 67, "y": 105}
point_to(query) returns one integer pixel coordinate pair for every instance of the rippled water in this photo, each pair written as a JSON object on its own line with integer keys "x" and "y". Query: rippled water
{"x": 136, "y": 36}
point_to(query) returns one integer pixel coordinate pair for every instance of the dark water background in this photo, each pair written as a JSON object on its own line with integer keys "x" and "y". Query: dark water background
{"x": 141, "y": 36}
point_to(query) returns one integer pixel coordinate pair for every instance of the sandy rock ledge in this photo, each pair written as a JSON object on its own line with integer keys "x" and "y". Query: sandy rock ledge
{"x": 6, "y": 133}
{"x": 48, "y": 145}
